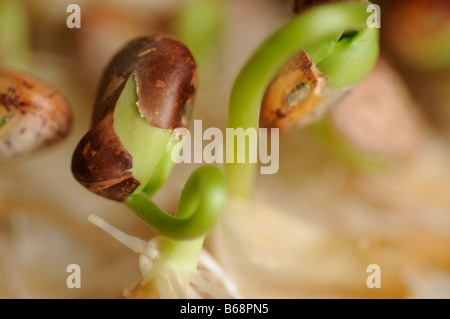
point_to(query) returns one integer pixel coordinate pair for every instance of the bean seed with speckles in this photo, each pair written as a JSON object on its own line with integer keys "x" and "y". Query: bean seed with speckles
{"x": 33, "y": 114}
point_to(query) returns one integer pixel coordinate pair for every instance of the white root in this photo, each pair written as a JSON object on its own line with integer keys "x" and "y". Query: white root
{"x": 135, "y": 244}
{"x": 175, "y": 282}
{"x": 211, "y": 265}
{"x": 171, "y": 284}
{"x": 209, "y": 288}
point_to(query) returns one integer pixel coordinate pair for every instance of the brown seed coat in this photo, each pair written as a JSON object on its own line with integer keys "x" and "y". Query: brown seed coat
{"x": 276, "y": 111}
{"x": 166, "y": 78}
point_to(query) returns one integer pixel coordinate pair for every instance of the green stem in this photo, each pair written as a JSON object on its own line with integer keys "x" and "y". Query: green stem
{"x": 201, "y": 202}
{"x": 180, "y": 255}
{"x": 307, "y": 29}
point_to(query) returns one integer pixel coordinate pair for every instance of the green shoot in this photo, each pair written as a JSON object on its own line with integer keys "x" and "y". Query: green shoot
{"x": 345, "y": 62}
{"x": 202, "y": 200}
{"x": 145, "y": 143}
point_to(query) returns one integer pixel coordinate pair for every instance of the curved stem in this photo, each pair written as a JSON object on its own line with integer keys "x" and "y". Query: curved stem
{"x": 306, "y": 29}
{"x": 202, "y": 200}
